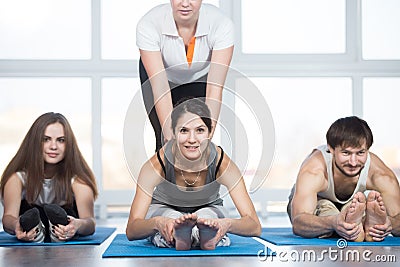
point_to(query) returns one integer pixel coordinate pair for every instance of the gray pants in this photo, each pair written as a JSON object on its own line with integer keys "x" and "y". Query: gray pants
{"x": 325, "y": 207}
{"x": 212, "y": 211}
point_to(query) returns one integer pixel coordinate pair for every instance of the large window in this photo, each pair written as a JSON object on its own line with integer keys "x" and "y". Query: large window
{"x": 293, "y": 27}
{"x": 380, "y": 27}
{"x": 382, "y": 113}
{"x": 117, "y": 94}
{"x": 45, "y": 29}
{"x": 312, "y": 61}
{"x": 302, "y": 113}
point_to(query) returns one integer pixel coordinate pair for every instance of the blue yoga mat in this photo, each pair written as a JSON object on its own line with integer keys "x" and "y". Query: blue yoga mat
{"x": 100, "y": 235}
{"x": 285, "y": 237}
{"x": 122, "y": 247}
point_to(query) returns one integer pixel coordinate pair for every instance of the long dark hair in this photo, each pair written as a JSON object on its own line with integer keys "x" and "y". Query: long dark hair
{"x": 29, "y": 159}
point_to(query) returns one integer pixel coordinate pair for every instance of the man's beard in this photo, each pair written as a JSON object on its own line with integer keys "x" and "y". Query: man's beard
{"x": 346, "y": 174}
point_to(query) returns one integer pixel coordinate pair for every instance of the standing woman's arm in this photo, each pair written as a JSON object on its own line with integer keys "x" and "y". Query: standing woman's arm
{"x": 220, "y": 61}
{"x": 154, "y": 66}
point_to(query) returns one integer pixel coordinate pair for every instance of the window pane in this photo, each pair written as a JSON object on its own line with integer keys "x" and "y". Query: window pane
{"x": 302, "y": 112}
{"x": 381, "y": 111}
{"x": 380, "y": 29}
{"x": 118, "y": 20}
{"x": 45, "y": 29}
{"x": 117, "y": 94}
{"x": 23, "y": 100}
{"x": 292, "y": 26}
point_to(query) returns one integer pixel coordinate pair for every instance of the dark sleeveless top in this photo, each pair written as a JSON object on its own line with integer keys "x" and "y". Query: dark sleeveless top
{"x": 188, "y": 199}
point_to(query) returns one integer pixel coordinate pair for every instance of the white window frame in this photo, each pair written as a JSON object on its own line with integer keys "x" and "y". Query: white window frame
{"x": 350, "y": 64}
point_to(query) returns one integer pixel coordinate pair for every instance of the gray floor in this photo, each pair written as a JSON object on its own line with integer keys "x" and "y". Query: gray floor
{"x": 291, "y": 256}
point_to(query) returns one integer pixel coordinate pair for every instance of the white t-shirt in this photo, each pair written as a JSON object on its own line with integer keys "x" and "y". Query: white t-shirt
{"x": 156, "y": 31}
{"x": 329, "y": 193}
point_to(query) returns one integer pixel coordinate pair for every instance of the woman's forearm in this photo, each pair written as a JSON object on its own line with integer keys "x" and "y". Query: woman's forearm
{"x": 9, "y": 224}
{"x": 141, "y": 228}
{"x": 87, "y": 226}
{"x": 245, "y": 226}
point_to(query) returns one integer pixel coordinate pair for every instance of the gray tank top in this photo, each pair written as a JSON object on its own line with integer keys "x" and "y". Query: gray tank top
{"x": 188, "y": 199}
{"x": 329, "y": 193}
{"x": 47, "y": 195}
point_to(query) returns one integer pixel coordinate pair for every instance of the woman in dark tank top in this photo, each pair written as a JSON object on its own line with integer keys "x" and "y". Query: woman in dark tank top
{"x": 177, "y": 202}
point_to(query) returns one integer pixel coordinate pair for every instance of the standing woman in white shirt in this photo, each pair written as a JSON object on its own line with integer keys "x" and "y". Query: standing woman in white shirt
{"x": 186, "y": 48}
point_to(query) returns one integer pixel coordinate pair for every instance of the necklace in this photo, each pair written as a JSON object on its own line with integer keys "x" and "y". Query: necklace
{"x": 192, "y": 183}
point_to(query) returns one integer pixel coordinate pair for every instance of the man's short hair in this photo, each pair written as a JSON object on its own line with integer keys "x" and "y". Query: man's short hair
{"x": 349, "y": 132}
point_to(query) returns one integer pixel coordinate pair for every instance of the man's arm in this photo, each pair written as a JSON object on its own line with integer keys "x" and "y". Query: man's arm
{"x": 395, "y": 221}
{"x": 385, "y": 182}
{"x": 310, "y": 181}
{"x": 304, "y": 202}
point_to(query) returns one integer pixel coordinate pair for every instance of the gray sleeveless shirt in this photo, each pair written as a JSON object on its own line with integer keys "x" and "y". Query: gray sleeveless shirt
{"x": 188, "y": 199}
{"x": 47, "y": 194}
{"x": 329, "y": 193}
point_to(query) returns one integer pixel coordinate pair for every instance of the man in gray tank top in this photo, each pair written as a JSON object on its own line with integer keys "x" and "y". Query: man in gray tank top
{"x": 343, "y": 189}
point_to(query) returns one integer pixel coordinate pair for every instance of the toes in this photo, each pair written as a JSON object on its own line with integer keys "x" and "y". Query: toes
{"x": 373, "y": 195}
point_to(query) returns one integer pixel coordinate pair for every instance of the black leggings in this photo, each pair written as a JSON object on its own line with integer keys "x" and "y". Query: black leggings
{"x": 196, "y": 89}
{"x": 25, "y": 206}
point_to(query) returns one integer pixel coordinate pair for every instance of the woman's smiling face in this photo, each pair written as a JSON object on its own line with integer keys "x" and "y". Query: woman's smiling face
{"x": 192, "y": 136}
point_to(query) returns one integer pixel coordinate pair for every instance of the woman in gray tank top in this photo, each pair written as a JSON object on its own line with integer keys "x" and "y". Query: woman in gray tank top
{"x": 177, "y": 202}
{"x": 47, "y": 189}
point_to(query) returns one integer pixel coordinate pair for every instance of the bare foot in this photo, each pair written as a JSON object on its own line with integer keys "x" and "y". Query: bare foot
{"x": 207, "y": 232}
{"x": 355, "y": 213}
{"x": 376, "y": 212}
{"x": 183, "y": 231}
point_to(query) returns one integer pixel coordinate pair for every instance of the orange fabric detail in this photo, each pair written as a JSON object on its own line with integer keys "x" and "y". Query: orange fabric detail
{"x": 190, "y": 50}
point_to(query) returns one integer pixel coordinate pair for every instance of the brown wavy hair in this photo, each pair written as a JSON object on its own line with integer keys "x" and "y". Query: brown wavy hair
{"x": 349, "y": 132}
{"x": 29, "y": 159}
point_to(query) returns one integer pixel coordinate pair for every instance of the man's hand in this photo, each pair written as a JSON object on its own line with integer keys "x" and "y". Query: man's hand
{"x": 379, "y": 231}
{"x": 348, "y": 231}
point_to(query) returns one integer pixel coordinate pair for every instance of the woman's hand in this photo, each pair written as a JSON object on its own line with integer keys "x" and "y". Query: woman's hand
{"x": 165, "y": 226}
{"x": 221, "y": 225}
{"x": 25, "y": 236}
{"x": 66, "y": 232}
